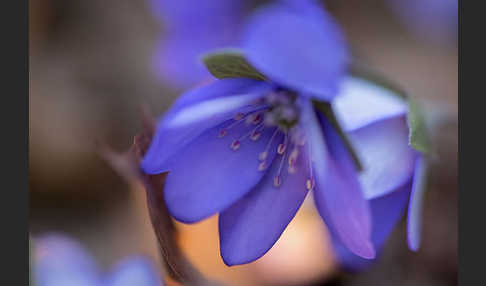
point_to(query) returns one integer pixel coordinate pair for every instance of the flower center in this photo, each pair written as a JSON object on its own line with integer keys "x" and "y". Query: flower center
{"x": 278, "y": 112}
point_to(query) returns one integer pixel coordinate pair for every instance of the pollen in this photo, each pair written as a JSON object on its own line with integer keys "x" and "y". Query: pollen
{"x": 262, "y": 166}
{"x": 239, "y": 116}
{"x": 263, "y": 155}
{"x": 222, "y": 133}
{"x": 293, "y": 157}
{"x": 255, "y": 135}
{"x": 292, "y": 169}
{"x": 281, "y": 148}
{"x": 235, "y": 145}
{"x": 257, "y": 119}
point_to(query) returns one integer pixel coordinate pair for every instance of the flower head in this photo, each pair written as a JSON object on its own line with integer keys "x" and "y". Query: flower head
{"x": 251, "y": 149}
{"x": 61, "y": 261}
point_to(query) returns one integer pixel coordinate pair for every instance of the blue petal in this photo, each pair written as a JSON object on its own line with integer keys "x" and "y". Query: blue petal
{"x": 193, "y": 28}
{"x": 415, "y": 208}
{"x": 388, "y": 160}
{"x": 61, "y": 261}
{"x": 175, "y": 61}
{"x": 338, "y": 194}
{"x": 386, "y": 212}
{"x": 361, "y": 102}
{"x": 135, "y": 271}
{"x": 299, "y": 47}
{"x": 251, "y": 226}
{"x": 207, "y": 176}
{"x": 224, "y": 102}
{"x": 177, "y": 57}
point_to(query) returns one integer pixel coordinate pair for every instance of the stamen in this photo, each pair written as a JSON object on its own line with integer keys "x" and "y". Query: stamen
{"x": 254, "y": 118}
{"x": 239, "y": 116}
{"x": 282, "y": 146}
{"x": 233, "y": 124}
{"x": 293, "y": 160}
{"x": 292, "y": 169}
{"x": 264, "y": 154}
{"x": 258, "y": 118}
{"x": 277, "y": 179}
{"x": 222, "y": 133}
{"x": 255, "y": 135}
{"x": 310, "y": 183}
{"x": 235, "y": 145}
{"x": 262, "y": 166}
{"x": 293, "y": 156}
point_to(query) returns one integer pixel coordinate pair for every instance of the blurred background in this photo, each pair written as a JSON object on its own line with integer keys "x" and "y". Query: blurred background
{"x": 92, "y": 63}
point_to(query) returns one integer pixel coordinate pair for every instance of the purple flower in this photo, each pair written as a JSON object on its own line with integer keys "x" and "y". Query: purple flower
{"x": 61, "y": 261}
{"x": 393, "y": 172}
{"x": 251, "y": 150}
{"x": 192, "y": 28}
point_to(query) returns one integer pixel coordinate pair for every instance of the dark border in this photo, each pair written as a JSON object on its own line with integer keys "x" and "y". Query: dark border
{"x": 14, "y": 118}
{"x": 472, "y": 194}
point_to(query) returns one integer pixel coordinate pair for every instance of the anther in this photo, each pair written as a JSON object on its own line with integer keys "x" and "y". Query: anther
{"x": 238, "y": 116}
{"x": 257, "y": 119}
{"x": 255, "y": 135}
{"x": 292, "y": 169}
{"x": 277, "y": 180}
{"x": 222, "y": 133}
{"x": 281, "y": 148}
{"x": 263, "y": 155}
{"x": 235, "y": 145}
{"x": 262, "y": 166}
{"x": 293, "y": 157}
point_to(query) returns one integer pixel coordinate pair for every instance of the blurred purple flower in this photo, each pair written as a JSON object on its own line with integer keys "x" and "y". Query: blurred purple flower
{"x": 251, "y": 150}
{"x": 192, "y": 28}
{"x": 431, "y": 19}
{"x": 61, "y": 261}
{"x": 376, "y": 121}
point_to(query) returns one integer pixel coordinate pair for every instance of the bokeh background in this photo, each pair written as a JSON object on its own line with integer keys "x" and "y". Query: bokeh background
{"x": 91, "y": 66}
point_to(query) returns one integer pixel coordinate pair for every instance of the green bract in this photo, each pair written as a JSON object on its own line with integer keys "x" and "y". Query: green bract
{"x": 230, "y": 64}
{"x": 418, "y": 137}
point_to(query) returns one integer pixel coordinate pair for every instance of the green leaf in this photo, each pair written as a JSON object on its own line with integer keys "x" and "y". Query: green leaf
{"x": 230, "y": 64}
{"x": 418, "y": 136}
{"x": 326, "y": 110}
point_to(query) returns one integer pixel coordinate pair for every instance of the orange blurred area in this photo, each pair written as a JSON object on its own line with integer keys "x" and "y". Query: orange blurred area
{"x": 301, "y": 256}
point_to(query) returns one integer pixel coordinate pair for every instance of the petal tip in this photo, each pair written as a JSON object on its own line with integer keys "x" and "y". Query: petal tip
{"x": 413, "y": 244}
{"x": 234, "y": 258}
{"x": 234, "y": 261}
{"x": 368, "y": 252}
